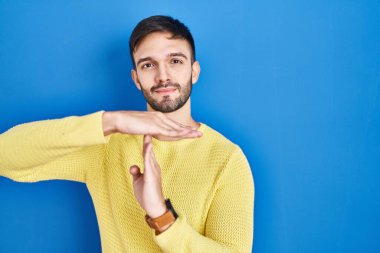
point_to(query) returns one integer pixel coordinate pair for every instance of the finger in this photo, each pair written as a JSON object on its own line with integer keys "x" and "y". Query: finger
{"x": 135, "y": 172}
{"x": 192, "y": 134}
{"x": 167, "y": 128}
{"x": 171, "y": 124}
{"x": 146, "y": 141}
{"x": 185, "y": 130}
{"x": 176, "y": 125}
{"x": 152, "y": 171}
{"x": 183, "y": 126}
{"x": 152, "y": 158}
{"x": 176, "y": 131}
{"x": 152, "y": 162}
{"x": 156, "y": 166}
{"x": 148, "y": 162}
{"x": 146, "y": 151}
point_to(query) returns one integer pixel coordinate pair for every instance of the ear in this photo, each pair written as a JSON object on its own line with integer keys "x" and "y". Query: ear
{"x": 135, "y": 79}
{"x": 195, "y": 71}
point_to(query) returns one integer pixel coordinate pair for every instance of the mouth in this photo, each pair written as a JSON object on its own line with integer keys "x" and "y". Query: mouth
{"x": 165, "y": 91}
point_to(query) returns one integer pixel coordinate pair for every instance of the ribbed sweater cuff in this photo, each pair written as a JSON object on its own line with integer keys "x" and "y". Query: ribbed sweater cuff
{"x": 95, "y": 122}
{"x": 175, "y": 235}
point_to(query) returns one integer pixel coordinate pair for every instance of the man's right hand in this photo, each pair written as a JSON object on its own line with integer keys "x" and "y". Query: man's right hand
{"x": 146, "y": 123}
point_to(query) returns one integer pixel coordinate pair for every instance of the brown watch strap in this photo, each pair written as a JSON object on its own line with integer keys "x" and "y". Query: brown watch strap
{"x": 160, "y": 222}
{"x": 167, "y": 218}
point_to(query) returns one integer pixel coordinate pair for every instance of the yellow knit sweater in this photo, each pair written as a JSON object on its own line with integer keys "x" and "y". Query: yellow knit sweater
{"x": 208, "y": 181}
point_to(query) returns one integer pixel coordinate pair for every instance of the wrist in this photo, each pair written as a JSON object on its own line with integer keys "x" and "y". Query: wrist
{"x": 158, "y": 211}
{"x": 109, "y": 123}
{"x": 163, "y": 222}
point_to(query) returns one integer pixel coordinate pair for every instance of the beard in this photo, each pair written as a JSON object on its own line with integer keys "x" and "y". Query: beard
{"x": 166, "y": 103}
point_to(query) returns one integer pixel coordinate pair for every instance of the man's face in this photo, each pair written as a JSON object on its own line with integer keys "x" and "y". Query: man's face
{"x": 164, "y": 71}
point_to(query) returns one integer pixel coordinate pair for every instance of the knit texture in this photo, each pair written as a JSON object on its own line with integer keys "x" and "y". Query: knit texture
{"x": 207, "y": 179}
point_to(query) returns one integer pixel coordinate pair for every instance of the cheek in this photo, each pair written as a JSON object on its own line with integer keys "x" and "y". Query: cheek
{"x": 146, "y": 78}
{"x": 181, "y": 75}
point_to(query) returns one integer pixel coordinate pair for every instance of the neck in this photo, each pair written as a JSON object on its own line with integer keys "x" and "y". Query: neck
{"x": 182, "y": 116}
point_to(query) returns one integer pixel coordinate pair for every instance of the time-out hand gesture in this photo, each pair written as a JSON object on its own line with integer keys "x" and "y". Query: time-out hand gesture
{"x": 146, "y": 123}
{"x": 147, "y": 186}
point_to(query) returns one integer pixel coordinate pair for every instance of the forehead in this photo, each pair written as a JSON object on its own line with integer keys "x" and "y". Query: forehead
{"x": 160, "y": 44}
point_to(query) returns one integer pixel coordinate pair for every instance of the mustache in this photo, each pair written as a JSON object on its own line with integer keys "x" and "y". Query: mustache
{"x": 165, "y": 85}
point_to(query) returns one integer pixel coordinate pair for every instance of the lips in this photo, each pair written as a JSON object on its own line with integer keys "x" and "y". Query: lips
{"x": 165, "y": 90}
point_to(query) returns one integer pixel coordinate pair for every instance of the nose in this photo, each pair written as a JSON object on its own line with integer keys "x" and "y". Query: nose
{"x": 162, "y": 75}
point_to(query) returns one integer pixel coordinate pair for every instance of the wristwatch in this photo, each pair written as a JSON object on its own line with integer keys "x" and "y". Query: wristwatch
{"x": 167, "y": 218}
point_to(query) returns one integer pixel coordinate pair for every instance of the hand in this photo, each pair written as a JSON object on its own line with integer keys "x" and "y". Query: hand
{"x": 147, "y": 187}
{"x": 146, "y": 123}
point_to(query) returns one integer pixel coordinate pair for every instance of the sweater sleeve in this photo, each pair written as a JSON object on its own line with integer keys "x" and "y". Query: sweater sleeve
{"x": 229, "y": 224}
{"x": 53, "y": 149}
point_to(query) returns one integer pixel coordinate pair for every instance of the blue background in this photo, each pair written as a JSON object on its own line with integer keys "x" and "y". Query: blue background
{"x": 294, "y": 83}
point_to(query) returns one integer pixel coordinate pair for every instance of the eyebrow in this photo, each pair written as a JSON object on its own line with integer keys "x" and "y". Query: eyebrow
{"x": 169, "y": 55}
{"x": 144, "y": 59}
{"x": 178, "y": 54}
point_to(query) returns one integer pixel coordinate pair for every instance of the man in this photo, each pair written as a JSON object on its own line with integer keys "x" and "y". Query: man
{"x": 159, "y": 180}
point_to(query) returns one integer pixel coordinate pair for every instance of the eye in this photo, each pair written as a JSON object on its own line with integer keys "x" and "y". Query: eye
{"x": 147, "y": 65}
{"x": 176, "y": 61}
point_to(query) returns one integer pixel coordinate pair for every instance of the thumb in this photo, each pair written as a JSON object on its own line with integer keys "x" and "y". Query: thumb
{"x": 135, "y": 172}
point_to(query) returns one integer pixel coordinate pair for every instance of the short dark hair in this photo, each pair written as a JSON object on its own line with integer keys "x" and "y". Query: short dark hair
{"x": 160, "y": 24}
